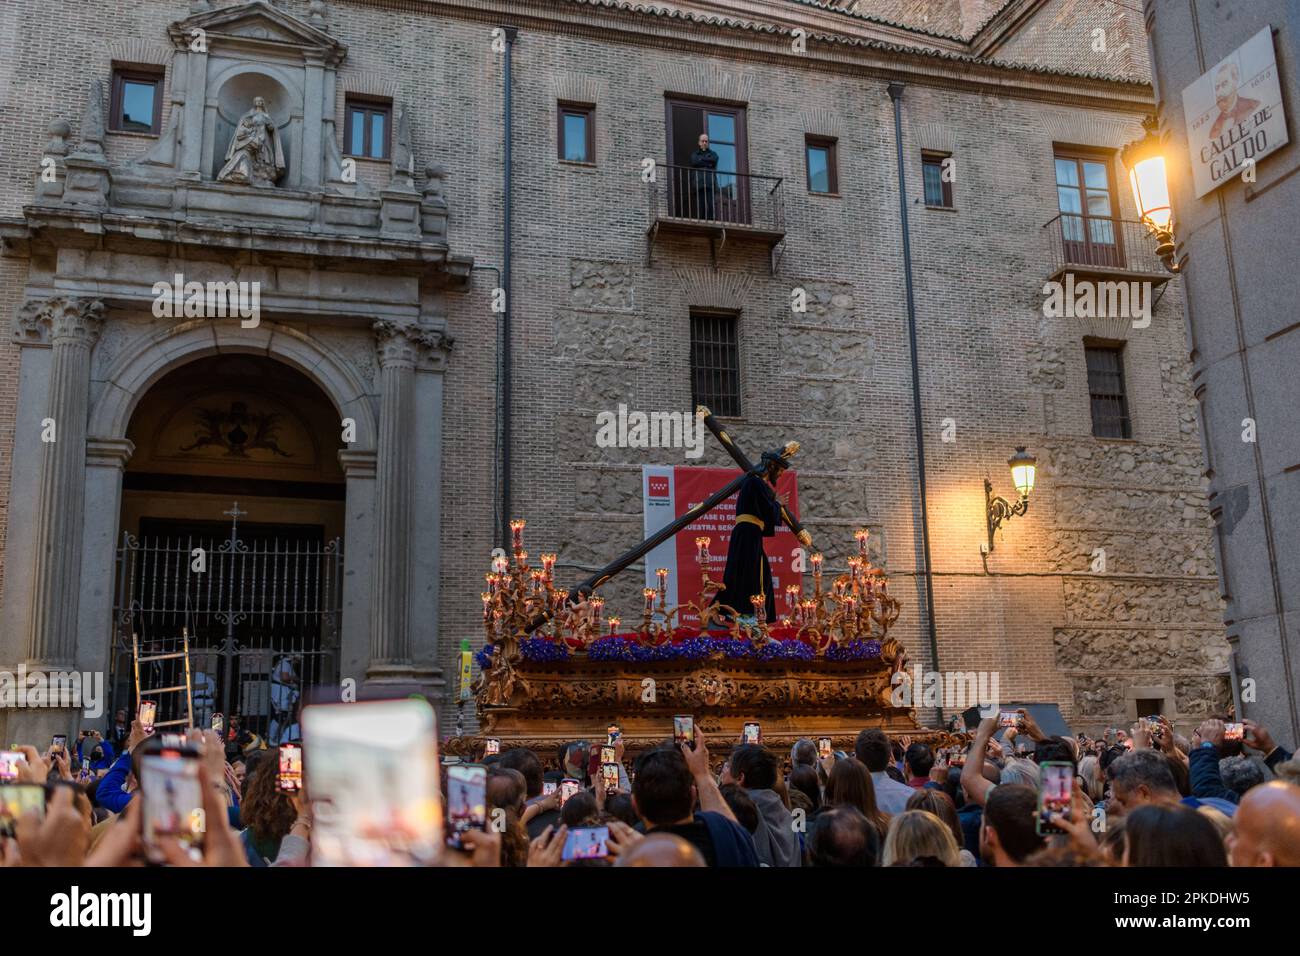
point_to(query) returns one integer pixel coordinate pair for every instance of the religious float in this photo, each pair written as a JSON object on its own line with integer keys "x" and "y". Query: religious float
{"x": 559, "y": 666}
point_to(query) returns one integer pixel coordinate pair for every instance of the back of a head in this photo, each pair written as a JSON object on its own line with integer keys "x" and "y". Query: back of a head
{"x": 803, "y": 753}
{"x": 742, "y": 805}
{"x": 1240, "y": 773}
{"x": 661, "y": 786}
{"x": 527, "y": 763}
{"x": 844, "y": 837}
{"x": 1057, "y": 750}
{"x": 849, "y": 784}
{"x": 941, "y": 805}
{"x": 1019, "y": 771}
{"x": 756, "y": 765}
{"x": 579, "y": 810}
{"x": 619, "y": 806}
{"x": 920, "y": 759}
{"x": 918, "y": 834}
{"x": 873, "y": 749}
{"x": 506, "y": 788}
{"x": 1172, "y": 835}
{"x": 661, "y": 849}
{"x": 1011, "y": 810}
{"x": 804, "y": 780}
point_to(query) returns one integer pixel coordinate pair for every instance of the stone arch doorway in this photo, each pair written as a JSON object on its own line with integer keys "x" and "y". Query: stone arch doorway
{"x": 231, "y": 526}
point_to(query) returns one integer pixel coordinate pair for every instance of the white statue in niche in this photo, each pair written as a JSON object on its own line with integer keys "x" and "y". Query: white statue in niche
{"x": 254, "y": 157}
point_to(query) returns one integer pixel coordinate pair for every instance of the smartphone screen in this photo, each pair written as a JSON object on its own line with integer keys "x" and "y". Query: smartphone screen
{"x": 219, "y": 723}
{"x": 466, "y": 801}
{"x": 147, "y": 715}
{"x": 612, "y": 733}
{"x": 59, "y": 744}
{"x": 372, "y": 775}
{"x": 568, "y": 787}
{"x": 17, "y": 799}
{"x": 173, "y": 801}
{"x": 824, "y": 747}
{"x": 290, "y": 779}
{"x": 1054, "y": 796}
{"x": 957, "y": 759}
{"x": 684, "y": 730}
{"x": 548, "y": 787}
{"x": 1011, "y": 718}
{"x": 491, "y": 746}
{"x": 607, "y": 754}
{"x": 586, "y": 843}
{"x": 751, "y": 733}
{"x": 1234, "y": 731}
{"x": 609, "y": 774}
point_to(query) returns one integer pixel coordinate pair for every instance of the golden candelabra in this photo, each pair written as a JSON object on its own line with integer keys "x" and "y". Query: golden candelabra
{"x": 856, "y": 606}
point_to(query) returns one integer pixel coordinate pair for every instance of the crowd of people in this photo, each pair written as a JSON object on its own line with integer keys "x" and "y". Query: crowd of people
{"x": 1145, "y": 797}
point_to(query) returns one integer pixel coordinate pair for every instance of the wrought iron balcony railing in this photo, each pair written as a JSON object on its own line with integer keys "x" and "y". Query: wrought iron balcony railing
{"x": 715, "y": 203}
{"x": 1098, "y": 245}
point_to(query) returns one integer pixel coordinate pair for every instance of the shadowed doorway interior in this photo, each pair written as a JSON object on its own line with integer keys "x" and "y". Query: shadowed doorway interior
{"x": 231, "y": 529}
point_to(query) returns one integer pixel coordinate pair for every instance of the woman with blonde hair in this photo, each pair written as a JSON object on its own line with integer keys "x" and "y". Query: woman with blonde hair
{"x": 919, "y": 838}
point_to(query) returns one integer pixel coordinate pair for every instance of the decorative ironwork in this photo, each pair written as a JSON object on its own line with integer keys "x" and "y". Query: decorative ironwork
{"x": 998, "y": 509}
{"x": 263, "y": 611}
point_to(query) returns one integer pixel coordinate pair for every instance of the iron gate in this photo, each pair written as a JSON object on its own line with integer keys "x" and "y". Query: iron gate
{"x": 263, "y": 611}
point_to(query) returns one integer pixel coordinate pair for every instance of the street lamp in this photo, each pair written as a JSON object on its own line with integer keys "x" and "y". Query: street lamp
{"x": 1145, "y": 161}
{"x": 1024, "y": 469}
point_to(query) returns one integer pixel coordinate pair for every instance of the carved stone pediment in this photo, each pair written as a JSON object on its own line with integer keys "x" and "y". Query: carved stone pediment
{"x": 258, "y": 25}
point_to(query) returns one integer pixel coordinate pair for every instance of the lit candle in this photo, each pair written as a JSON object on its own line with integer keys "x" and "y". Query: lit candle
{"x": 861, "y": 534}
{"x": 598, "y": 609}
{"x": 816, "y": 560}
{"x": 808, "y": 611}
{"x": 759, "y": 601}
{"x": 548, "y": 565}
{"x": 537, "y": 577}
{"x": 517, "y": 533}
{"x": 521, "y": 558}
{"x": 487, "y": 605}
{"x": 649, "y": 595}
{"x": 791, "y": 594}
{"x": 849, "y": 603}
{"x": 662, "y": 575}
{"x": 491, "y": 580}
{"x": 702, "y": 549}
{"x": 613, "y": 626}
{"x": 499, "y": 564}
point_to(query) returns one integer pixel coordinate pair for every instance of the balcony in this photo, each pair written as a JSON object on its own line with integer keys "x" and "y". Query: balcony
{"x": 1100, "y": 248}
{"x": 720, "y": 206}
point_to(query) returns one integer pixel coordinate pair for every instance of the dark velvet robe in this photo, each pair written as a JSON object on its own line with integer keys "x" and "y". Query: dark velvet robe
{"x": 748, "y": 572}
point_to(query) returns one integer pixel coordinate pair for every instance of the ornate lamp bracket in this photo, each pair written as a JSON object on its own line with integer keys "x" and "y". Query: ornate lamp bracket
{"x": 997, "y": 509}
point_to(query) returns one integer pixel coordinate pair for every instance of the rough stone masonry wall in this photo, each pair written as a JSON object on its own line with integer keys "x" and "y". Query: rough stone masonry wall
{"x": 595, "y": 326}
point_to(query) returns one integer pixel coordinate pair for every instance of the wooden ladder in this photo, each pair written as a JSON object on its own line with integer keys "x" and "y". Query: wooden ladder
{"x": 150, "y": 693}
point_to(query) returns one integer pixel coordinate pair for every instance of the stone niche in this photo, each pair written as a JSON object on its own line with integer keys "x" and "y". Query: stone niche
{"x": 224, "y": 60}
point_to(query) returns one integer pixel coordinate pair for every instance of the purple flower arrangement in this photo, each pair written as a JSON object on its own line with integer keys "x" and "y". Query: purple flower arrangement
{"x": 543, "y": 650}
{"x": 855, "y": 650}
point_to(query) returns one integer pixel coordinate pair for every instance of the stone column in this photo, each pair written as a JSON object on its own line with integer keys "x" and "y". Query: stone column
{"x": 73, "y": 325}
{"x": 391, "y": 669}
{"x": 401, "y": 348}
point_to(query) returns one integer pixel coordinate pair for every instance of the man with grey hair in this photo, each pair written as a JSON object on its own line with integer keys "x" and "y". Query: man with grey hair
{"x": 1241, "y": 772}
{"x": 1143, "y": 777}
{"x": 803, "y": 753}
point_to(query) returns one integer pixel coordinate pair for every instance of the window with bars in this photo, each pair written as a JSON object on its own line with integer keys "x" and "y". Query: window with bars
{"x": 715, "y": 362}
{"x": 1106, "y": 391}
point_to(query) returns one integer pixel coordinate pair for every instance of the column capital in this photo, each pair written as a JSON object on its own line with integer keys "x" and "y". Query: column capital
{"x": 410, "y": 345}
{"x": 109, "y": 452}
{"x": 59, "y": 318}
{"x": 357, "y": 464}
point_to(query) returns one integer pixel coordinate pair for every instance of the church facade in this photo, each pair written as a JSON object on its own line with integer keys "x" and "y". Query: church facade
{"x": 297, "y": 297}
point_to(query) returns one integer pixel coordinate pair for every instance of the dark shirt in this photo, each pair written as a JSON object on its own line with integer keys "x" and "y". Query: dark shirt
{"x": 540, "y": 822}
{"x": 704, "y": 159}
{"x": 697, "y": 834}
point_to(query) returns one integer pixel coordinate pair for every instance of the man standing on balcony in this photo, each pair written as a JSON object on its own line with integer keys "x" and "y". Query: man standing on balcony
{"x": 704, "y": 162}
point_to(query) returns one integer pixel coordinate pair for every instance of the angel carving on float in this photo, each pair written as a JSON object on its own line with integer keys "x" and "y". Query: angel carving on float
{"x": 255, "y": 156}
